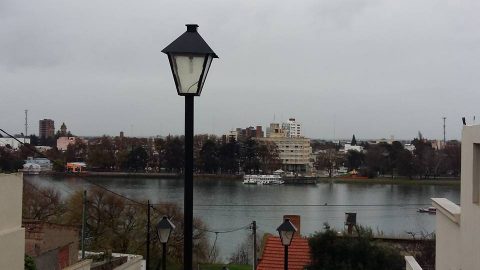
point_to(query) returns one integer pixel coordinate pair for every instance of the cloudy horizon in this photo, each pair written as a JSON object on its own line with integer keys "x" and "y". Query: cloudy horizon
{"x": 370, "y": 68}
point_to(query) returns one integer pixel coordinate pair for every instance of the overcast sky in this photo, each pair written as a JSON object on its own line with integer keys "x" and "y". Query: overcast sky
{"x": 364, "y": 67}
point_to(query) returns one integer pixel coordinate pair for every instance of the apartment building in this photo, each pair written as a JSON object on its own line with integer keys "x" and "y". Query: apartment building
{"x": 294, "y": 152}
{"x": 292, "y": 128}
{"x": 46, "y": 128}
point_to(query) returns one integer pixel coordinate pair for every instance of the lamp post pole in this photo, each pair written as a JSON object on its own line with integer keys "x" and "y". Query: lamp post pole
{"x": 164, "y": 230}
{"x": 190, "y": 58}
{"x": 286, "y": 231}
{"x": 188, "y": 195}
{"x": 164, "y": 256}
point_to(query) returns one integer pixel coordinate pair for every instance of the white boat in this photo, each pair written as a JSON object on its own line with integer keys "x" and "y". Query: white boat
{"x": 430, "y": 210}
{"x": 255, "y": 179}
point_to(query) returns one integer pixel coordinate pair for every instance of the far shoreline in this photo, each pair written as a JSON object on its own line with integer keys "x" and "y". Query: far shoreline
{"x": 339, "y": 180}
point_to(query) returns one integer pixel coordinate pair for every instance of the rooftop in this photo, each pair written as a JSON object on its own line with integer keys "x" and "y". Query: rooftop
{"x": 273, "y": 254}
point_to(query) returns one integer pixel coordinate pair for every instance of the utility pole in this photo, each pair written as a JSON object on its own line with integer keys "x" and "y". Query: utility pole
{"x": 26, "y": 126}
{"x": 147, "y": 261}
{"x": 84, "y": 221}
{"x": 254, "y": 234}
{"x": 444, "y": 137}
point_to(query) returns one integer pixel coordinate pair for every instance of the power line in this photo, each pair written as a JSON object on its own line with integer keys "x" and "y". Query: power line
{"x": 225, "y": 231}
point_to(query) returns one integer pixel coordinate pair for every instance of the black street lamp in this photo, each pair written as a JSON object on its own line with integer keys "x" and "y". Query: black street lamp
{"x": 286, "y": 231}
{"x": 164, "y": 230}
{"x": 190, "y": 58}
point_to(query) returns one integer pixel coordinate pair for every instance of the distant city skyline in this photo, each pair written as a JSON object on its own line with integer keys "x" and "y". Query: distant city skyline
{"x": 128, "y": 133}
{"x": 368, "y": 67}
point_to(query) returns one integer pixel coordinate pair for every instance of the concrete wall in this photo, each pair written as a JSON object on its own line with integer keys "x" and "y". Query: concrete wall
{"x": 81, "y": 265}
{"x": 133, "y": 263}
{"x": 12, "y": 236}
{"x": 447, "y": 244}
{"x": 470, "y": 218}
{"x": 458, "y": 229}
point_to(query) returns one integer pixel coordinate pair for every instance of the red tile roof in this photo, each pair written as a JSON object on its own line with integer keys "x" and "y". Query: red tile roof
{"x": 273, "y": 254}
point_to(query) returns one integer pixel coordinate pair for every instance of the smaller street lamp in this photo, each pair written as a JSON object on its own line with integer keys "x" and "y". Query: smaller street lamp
{"x": 164, "y": 230}
{"x": 286, "y": 231}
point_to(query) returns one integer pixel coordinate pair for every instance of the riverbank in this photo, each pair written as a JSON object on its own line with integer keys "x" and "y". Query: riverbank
{"x": 142, "y": 175}
{"x": 386, "y": 181}
{"x": 390, "y": 181}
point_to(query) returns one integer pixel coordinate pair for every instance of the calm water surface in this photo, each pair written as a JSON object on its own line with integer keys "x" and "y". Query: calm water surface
{"x": 228, "y": 204}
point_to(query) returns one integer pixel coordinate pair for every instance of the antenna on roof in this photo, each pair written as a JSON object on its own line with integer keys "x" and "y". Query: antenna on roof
{"x": 26, "y": 126}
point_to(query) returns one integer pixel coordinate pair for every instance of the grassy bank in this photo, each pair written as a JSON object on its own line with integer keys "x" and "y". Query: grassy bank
{"x": 390, "y": 181}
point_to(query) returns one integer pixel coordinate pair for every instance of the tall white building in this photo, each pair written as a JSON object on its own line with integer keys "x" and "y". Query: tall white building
{"x": 292, "y": 128}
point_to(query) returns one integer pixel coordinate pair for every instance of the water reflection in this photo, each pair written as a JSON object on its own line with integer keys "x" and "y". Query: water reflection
{"x": 227, "y": 204}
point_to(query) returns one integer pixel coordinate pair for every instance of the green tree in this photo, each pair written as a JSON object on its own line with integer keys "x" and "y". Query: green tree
{"x": 209, "y": 157}
{"x": 137, "y": 159}
{"x": 329, "y": 160}
{"x": 354, "y": 141}
{"x": 174, "y": 154}
{"x": 355, "y": 159}
{"x": 331, "y": 251}
{"x": 229, "y": 155}
{"x": 101, "y": 154}
{"x": 76, "y": 151}
{"x": 249, "y": 156}
{"x": 10, "y": 160}
{"x": 29, "y": 263}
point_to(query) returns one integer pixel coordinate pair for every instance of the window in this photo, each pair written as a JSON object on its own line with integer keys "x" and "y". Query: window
{"x": 476, "y": 174}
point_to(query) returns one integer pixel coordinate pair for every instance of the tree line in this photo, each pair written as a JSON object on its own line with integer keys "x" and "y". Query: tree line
{"x": 384, "y": 159}
{"x": 212, "y": 155}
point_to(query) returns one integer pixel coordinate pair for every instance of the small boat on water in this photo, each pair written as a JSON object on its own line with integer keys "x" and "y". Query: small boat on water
{"x": 255, "y": 179}
{"x": 430, "y": 210}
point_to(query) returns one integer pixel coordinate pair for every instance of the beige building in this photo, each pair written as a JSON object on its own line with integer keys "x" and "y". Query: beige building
{"x": 295, "y": 153}
{"x": 12, "y": 235}
{"x": 457, "y": 228}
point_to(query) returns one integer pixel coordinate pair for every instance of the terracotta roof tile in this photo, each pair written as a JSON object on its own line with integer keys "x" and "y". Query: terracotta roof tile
{"x": 273, "y": 254}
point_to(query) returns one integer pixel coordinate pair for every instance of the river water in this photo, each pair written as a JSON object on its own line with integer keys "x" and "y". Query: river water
{"x": 228, "y": 204}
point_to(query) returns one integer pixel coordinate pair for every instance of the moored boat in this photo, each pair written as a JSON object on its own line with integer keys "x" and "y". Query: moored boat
{"x": 255, "y": 179}
{"x": 430, "y": 210}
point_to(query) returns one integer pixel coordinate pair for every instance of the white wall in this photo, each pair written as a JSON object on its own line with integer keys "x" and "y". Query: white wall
{"x": 447, "y": 244}
{"x": 458, "y": 229}
{"x": 12, "y": 235}
{"x": 470, "y": 218}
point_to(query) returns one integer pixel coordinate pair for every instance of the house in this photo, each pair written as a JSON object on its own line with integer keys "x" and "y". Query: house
{"x": 272, "y": 256}
{"x": 64, "y": 142}
{"x": 457, "y": 227}
{"x": 52, "y": 246}
{"x": 76, "y": 167}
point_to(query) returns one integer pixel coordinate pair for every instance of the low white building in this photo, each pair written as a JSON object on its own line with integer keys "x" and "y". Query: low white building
{"x": 458, "y": 228}
{"x": 14, "y": 144}
{"x": 44, "y": 163}
{"x": 348, "y": 147}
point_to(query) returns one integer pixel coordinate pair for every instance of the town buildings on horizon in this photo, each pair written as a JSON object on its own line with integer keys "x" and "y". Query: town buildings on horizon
{"x": 46, "y": 128}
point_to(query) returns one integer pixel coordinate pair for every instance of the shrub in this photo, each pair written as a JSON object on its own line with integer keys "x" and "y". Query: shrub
{"x": 331, "y": 251}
